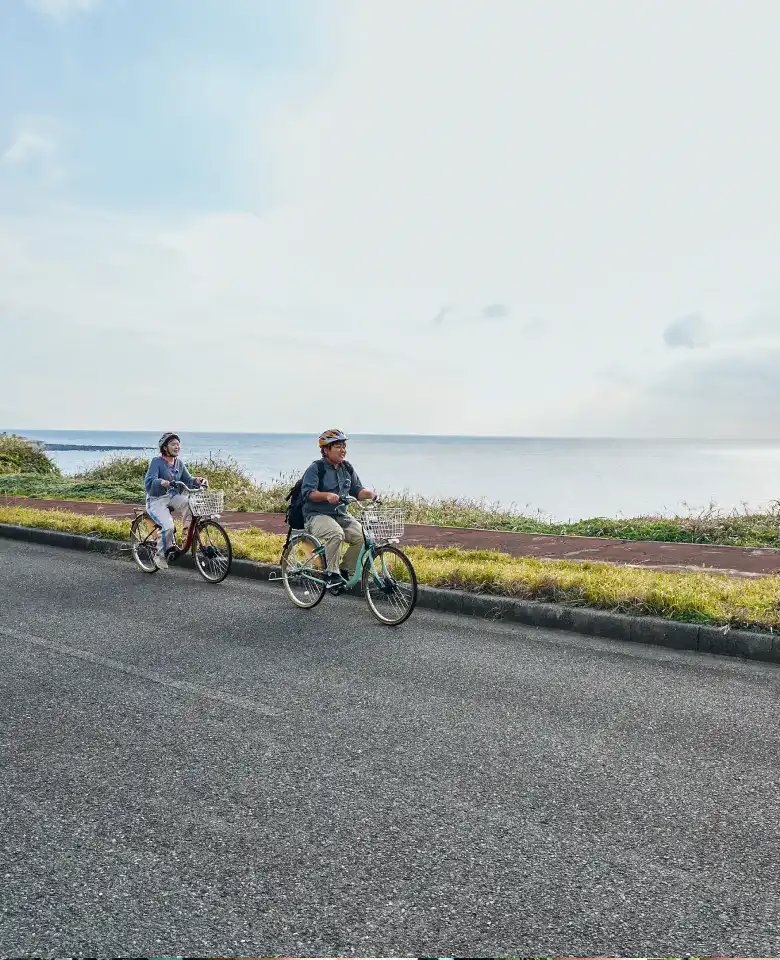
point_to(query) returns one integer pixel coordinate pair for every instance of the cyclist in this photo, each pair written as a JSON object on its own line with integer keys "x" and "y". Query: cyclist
{"x": 162, "y": 500}
{"x": 325, "y": 516}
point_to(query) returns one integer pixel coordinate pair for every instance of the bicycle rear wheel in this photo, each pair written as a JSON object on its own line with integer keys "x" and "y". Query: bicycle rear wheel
{"x": 303, "y": 571}
{"x": 390, "y": 585}
{"x": 212, "y": 551}
{"x": 143, "y": 543}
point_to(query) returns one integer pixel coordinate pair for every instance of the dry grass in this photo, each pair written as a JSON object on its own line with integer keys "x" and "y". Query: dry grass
{"x": 684, "y": 596}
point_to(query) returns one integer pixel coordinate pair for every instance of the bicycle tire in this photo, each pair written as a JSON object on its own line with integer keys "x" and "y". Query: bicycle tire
{"x": 212, "y": 563}
{"x": 395, "y": 596}
{"x": 312, "y": 591}
{"x": 143, "y": 548}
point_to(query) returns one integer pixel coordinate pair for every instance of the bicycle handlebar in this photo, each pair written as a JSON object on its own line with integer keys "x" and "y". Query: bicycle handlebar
{"x": 179, "y": 484}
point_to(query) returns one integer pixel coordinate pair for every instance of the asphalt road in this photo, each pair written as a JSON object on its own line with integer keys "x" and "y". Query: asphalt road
{"x": 197, "y": 770}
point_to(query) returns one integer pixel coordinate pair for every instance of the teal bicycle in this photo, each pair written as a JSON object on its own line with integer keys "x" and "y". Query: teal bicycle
{"x": 387, "y": 576}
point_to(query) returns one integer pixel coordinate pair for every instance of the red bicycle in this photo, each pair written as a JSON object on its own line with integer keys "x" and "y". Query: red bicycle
{"x": 208, "y": 540}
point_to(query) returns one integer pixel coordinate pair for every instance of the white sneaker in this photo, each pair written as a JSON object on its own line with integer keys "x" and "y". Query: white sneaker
{"x": 160, "y": 562}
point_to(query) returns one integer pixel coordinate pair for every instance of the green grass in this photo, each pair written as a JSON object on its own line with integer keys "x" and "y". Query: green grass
{"x": 688, "y": 597}
{"x": 118, "y": 469}
{"x": 711, "y": 526}
{"x": 19, "y": 455}
{"x": 121, "y": 478}
{"x": 69, "y": 488}
{"x": 223, "y": 473}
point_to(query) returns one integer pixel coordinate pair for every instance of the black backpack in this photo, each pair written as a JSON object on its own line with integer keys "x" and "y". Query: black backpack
{"x": 294, "y": 513}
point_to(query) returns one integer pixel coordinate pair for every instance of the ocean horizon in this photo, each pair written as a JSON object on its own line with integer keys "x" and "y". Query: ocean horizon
{"x": 558, "y": 477}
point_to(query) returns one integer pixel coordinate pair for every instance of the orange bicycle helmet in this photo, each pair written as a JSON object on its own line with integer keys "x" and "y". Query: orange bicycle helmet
{"x": 331, "y": 436}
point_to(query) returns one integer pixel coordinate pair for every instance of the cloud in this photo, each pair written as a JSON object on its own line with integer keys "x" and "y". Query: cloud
{"x": 762, "y": 323}
{"x": 28, "y": 146}
{"x": 441, "y": 316}
{"x": 33, "y": 152}
{"x": 462, "y": 315}
{"x": 61, "y": 10}
{"x": 689, "y": 331}
{"x": 495, "y": 311}
{"x": 364, "y": 213}
{"x": 534, "y": 326}
{"x": 731, "y": 391}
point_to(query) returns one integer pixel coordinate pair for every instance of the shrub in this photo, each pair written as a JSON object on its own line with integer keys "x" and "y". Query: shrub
{"x": 20, "y": 455}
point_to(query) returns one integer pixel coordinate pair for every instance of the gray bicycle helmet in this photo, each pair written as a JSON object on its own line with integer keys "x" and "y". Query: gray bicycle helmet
{"x": 166, "y": 438}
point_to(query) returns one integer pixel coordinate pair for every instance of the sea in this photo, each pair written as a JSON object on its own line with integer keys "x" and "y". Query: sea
{"x": 561, "y": 479}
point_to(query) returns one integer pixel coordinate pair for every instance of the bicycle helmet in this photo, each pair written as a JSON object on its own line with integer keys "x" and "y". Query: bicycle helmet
{"x": 166, "y": 438}
{"x": 331, "y": 436}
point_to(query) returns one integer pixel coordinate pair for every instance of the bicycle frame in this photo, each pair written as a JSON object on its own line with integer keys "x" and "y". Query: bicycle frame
{"x": 189, "y": 523}
{"x": 366, "y": 555}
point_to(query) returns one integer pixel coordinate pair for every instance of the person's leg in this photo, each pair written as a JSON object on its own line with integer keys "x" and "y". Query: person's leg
{"x": 353, "y": 534}
{"x": 157, "y": 508}
{"x": 325, "y": 529}
{"x": 180, "y": 507}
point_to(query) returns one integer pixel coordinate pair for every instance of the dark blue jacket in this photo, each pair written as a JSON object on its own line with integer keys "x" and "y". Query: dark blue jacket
{"x": 339, "y": 481}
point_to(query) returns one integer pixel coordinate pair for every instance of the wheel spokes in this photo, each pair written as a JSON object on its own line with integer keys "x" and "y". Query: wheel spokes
{"x": 213, "y": 551}
{"x": 389, "y": 585}
{"x": 302, "y": 571}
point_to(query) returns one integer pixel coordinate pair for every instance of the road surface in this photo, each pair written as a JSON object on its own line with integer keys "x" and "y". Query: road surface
{"x": 198, "y": 770}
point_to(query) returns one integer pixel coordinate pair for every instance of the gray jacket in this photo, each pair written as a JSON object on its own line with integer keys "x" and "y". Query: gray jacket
{"x": 160, "y": 469}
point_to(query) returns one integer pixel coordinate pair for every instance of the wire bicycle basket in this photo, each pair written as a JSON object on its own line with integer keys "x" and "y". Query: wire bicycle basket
{"x": 383, "y": 523}
{"x": 207, "y": 503}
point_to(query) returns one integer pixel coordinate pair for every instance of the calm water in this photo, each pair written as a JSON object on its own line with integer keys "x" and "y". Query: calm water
{"x": 561, "y": 478}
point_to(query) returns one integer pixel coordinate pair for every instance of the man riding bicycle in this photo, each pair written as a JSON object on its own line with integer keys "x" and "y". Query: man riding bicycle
{"x": 162, "y": 500}
{"x": 325, "y": 515}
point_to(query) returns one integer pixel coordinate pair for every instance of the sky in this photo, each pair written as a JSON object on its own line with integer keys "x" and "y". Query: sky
{"x": 470, "y": 217}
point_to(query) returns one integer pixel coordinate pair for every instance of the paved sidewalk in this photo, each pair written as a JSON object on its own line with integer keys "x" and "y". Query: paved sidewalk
{"x": 737, "y": 561}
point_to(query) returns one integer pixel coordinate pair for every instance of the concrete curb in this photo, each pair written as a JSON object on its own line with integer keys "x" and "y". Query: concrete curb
{"x": 584, "y": 620}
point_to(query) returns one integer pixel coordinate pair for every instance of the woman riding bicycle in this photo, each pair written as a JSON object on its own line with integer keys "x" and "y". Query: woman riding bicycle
{"x": 162, "y": 500}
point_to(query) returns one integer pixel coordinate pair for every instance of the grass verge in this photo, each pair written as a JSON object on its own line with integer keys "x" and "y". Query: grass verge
{"x": 120, "y": 478}
{"x": 69, "y": 488}
{"x": 689, "y": 597}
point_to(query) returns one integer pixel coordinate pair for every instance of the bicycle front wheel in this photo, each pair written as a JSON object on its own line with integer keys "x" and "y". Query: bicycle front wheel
{"x": 390, "y": 585}
{"x": 143, "y": 543}
{"x": 212, "y": 551}
{"x": 303, "y": 571}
